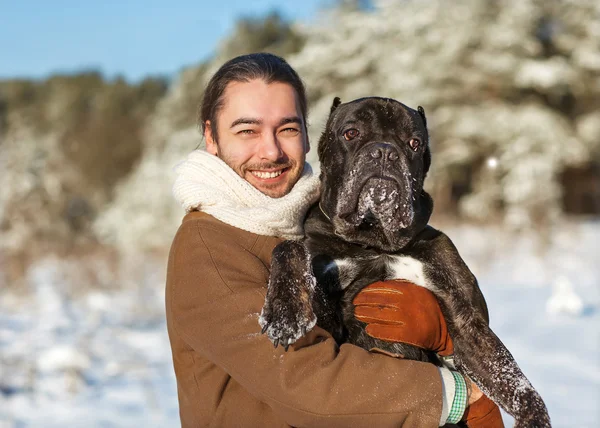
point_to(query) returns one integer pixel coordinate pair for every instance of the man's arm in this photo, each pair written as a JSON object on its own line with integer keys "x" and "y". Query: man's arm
{"x": 215, "y": 291}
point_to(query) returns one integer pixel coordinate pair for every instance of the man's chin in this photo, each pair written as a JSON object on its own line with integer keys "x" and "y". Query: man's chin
{"x": 274, "y": 190}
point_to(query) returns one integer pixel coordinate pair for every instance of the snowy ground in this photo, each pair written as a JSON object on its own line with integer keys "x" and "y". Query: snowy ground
{"x": 102, "y": 358}
{"x": 545, "y": 307}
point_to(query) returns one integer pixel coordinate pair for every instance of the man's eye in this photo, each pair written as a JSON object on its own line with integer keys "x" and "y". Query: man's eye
{"x": 246, "y": 131}
{"x": 291, "y": 130}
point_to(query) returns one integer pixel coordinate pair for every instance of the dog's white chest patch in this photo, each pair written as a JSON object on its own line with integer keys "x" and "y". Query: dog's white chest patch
{"x": 336, "y": 264}
{"x": 404, "y": 267}
{"x": 346, "y": 270}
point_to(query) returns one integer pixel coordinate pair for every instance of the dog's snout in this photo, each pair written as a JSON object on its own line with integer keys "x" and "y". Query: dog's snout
{"x": 385, "y": 151}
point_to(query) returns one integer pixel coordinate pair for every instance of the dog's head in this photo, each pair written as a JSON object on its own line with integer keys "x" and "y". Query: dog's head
{"x": 374, "y": 156}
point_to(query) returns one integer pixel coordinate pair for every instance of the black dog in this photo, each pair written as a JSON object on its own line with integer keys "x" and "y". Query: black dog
{"x": 371, "y": 225}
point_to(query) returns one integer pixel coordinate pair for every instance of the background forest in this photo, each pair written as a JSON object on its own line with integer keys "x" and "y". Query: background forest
{"x": 511, "y": 90}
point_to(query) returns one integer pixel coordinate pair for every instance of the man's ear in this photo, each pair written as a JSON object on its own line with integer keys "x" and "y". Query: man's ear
{"x": 421, "y": 111}
{"x": 211, "y": 144}
{"x": 336, "y": 102}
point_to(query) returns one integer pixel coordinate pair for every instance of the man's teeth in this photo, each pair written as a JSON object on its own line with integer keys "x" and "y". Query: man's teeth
{"x": 262, "y": 174}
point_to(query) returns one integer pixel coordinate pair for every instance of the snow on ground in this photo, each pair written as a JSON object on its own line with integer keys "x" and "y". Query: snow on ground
{"x": 102, "y": 358}
{"x": 556, "y": 347}
{"x": 99, "y": 359}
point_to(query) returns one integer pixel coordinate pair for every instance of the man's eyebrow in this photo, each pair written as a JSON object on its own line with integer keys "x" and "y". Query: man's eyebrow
{"x": 246, "y": 121}
{"x": 291, "y": 119}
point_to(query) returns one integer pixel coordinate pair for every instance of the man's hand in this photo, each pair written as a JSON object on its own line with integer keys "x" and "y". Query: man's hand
{"x": 474, "y": 391}
{"x": 481, "y": 411}
{"x": 400, "y": 311}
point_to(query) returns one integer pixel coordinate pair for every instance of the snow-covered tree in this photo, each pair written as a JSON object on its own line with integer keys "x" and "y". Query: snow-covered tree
{"x": 511, "y": 90}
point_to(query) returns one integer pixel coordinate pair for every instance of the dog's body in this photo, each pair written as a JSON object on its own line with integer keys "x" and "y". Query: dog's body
{"x": 371, "y": 225}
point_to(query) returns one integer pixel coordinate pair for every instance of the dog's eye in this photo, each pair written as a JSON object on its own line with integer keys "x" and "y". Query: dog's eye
{"x": 351, "y": 134}
{"x": 414, "y": 144}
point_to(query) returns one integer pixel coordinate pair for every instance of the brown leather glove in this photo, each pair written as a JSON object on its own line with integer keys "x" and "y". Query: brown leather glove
{"x": 483, "y": 413}
{"x": 400, "y": 311}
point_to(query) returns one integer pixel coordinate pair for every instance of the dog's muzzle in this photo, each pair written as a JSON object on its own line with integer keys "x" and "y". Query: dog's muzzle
{"x": 379, "y": 191}
{"x": 381, "y": 199}
{"x": 379, "y": 195}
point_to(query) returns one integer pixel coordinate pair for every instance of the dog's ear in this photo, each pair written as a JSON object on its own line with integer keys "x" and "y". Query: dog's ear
{"x": 421, "y": 111}
{"x": 327, "y": 135}
{"x": 336, "y": 102}
{"x": 426, "y": 162}
{"x": 427, "y": 154}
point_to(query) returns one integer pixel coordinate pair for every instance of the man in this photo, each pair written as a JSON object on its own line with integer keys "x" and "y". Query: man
{"x": 247, "y": 191}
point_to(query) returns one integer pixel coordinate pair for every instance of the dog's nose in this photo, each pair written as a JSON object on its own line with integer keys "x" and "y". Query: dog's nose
{"x": 385, "y": 151}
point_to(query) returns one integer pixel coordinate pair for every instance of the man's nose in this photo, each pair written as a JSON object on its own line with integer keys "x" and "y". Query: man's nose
{"x": 270, "y": 148}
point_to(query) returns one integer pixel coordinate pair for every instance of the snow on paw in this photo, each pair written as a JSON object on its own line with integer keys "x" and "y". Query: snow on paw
{"x": 285, "y": 323}
{"x": 533, "y": 412}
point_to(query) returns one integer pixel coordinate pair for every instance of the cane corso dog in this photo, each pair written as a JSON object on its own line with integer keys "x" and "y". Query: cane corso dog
{"x": 371, "y": 225}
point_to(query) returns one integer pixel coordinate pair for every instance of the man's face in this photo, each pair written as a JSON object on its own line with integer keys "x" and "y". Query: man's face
{"x": 261, "y": 135}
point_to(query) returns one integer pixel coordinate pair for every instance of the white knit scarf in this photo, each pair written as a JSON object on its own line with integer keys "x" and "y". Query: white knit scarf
{"x": 206, "y": 183}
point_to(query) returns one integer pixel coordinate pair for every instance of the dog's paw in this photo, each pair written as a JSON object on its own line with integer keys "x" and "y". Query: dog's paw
{"x": 285, "y": 322}
{"x": 533, "y": 412}
{"x": 533, "y": 421}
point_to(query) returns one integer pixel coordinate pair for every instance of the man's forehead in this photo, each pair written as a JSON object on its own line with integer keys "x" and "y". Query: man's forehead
{"x": 234, "y": 90}
{"x": 260, "y": 101}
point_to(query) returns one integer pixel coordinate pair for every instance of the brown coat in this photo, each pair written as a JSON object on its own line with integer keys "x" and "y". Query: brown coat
{"x": 229, "y": 375}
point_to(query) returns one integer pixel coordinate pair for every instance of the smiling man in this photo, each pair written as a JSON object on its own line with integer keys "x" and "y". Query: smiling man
{"x": 250, "y": 189}
{"x": 262, "y": 134}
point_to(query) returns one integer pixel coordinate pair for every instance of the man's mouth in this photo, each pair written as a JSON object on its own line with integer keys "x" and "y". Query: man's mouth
{"x": 269, "y": 175}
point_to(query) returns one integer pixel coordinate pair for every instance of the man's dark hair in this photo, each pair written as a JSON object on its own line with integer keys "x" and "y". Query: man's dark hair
{"x": 244, "y": 68}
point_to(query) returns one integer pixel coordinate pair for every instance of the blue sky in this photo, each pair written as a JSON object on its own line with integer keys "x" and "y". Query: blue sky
{"x": 133, "y": 38}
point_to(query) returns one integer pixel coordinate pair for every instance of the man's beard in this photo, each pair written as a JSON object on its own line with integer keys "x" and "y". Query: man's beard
{"x": 268, "y": 165}
{"x": 271, "y": 190}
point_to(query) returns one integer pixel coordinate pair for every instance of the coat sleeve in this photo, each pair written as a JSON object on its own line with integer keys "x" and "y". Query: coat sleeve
{"x": 215, "y": 292}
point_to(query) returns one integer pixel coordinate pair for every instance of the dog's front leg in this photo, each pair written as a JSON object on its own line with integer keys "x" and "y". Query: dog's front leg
{"x": 483, "y": 357}
{"x": 288, "y": 311}
{"x": 478, "y": 353}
